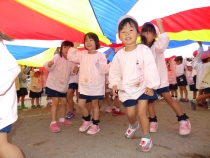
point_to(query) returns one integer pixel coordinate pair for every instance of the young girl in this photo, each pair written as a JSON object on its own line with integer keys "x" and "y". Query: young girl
{"x": 158, "y": 47}
{"x": 172, "y": 79}
{"x": 60, "y": 70}
{"x": 107, "y": 95}
{"x": 93, "y": 67}
{"x": 35, "y": 87}
{"x": 190, "y": 80}
{"x": 203, "y": 73}
{"x": 133, "y": 75}
{"x": 181, "y": 78}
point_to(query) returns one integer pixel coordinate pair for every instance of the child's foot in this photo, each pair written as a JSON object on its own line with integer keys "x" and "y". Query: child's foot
{"x": 129, "y": 133}
{"x": 182, "y": 99}
{"x": 54, "y": 128}
{"x": 19, "y": 107}
{"x": 69, "y": 115}
{"x": 39, "y": 106}
{"x": 145, "y": 144}
{"x": 24, "y": 107}
{"x": 33, "y": 107}
{"x": 118, "y": 113}
{"x": 65, "y": 123}
{"x": 193, "y": 104}
{"x": 186, "y": 100}
{"x": 184, "y": 127}
{"x": 108, "y": 109}
{"x": 85, "y": 126}
{"x": 93, "y": 129}
{"x": 153, "y": 126}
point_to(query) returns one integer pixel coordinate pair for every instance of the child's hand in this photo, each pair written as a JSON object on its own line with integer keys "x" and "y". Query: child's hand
{"x": 76, "y": 69}
{"x": 115, "y": 90}
{"x": 76, "y": 44}
{"x": 149, "y": 92}
{"x": 158, "y": 21}
{"x": 50, "y": 63}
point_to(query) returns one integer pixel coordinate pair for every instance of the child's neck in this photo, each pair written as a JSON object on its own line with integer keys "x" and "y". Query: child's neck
{"x": 130, "y": 47}
{"x": 92, "y": 51}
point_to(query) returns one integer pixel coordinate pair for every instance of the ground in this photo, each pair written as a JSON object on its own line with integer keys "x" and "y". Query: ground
{"x": 31, "y": 134}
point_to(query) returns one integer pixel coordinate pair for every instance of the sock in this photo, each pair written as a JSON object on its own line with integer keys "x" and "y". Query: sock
{"x": 117, "y": 109}
{"x": 175, "y": 96}
{"x": 182, "y": 117}
{"x": 134, "y": 125}
{"x": 61, "y": 119}
{"x": 195, "y": 101}
{"x": 95, "y": 122}
{"x": 52, "y": 122}
{"x": 172, "y": 96}
{"x": 153, "y": 119}
{"x": 87, "y": 118}
{"x": 146, "y": 136}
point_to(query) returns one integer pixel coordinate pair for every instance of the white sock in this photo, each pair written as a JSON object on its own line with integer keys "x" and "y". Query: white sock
{"x": 61, "y": 119}
{"x": 52, "y": 122}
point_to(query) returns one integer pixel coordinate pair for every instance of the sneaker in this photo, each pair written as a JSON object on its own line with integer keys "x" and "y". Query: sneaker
{"x": 24, "y": 107}
{"x": 108, "y": 109}
{"x": 145, "y": 144}
{"x": 74, "y": 111}
{"x": 129, "y": 133}
{"x": 65, "y": 123}
{"x": 193, "y": 104}
{"x": 186, "y": 100}
{"x": 93, "y": 129}
{"x": 33, "y": 107}
{"x": 69, "y": 115}
{"x": 182, "y": 99}
{"x": 39, "y": 106}
{"x": 85, "y": 126}
{"x": 118, "y": 113}
{"x": 19, "y": 107}
{"x": 153, "y": 126}
{"x": 184, "y": 127}
{"x": 54, "y": 128}
{"x": 113, "y": 110}
{"x": 160, "y": 97}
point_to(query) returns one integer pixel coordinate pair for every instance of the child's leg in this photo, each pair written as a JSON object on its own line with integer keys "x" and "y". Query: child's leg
{"x": 108, "y": 99}
{"x": 63, "y": 107}
{"x": 8, "y": 150}
{"x": 116, "y": 110}
{"x": 95, "y": 106}
{"x": 70, "y": 95}
{"x": 185, "y": 92}
{"x": 200, "y": 92}
{"x": 176, "y": 94}
{"x": 83, "y": 108}
{"x": 194, "y": 94}
{"x": 202, "y": 97}
{"x": 37, "y": 101}
{"x": 53, "y": 109}
{"x": 172, "y": 93}
{"x": 32, "y": 101}
{"x": 99, "y": 103}
{"x": 89, "y": 107}
{"x": 181, "y": 91}
{"x": 151, "y": 109}
{"x": 131, "y": 114}
{"x": 22, "y": 99}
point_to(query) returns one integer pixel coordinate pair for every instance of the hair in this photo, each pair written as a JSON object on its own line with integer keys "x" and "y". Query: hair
{"x": 178, "y": 58}
{"x": 130, "y": 21}
{"x": 3, "y": 36}
{"x": 205, "y": 60}
{"x": 65, "y": 43}
{"x": 95, "y": 38}
{"x": 148, "y": 27}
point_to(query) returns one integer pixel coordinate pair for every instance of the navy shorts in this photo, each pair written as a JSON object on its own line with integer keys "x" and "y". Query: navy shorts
{"x": 22, "y": 92}
{"x": 90, "y": 98}
{"x": 54, "y": 93}
{"x": 35, "y": 94}
{"x": 160, "y": 91}
{"x": 206, "y": 90}
{"x": 6, "y": 129}
{"x": 173, "y": 87}
{"x": 192, "y": 87}
{"x": 73, "y": 86}
{"x": 181, "y": 80}
{"x": 132, "y": 102}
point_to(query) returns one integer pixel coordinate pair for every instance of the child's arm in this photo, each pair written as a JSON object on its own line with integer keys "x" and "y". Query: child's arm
{"x": 163, "y": 39}
{"x": 103, "y": 64}
{"x": 49, "y": 65}
{"x": 74, "y": 54}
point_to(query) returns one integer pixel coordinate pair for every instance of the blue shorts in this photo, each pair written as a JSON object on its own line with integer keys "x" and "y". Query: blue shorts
{"x": 181, "y": 80}
{"x": 54, "y": 93}
{"x": 173, "y": 87}
{"x": 206, "y": 90}
{"x": 73, "y": 86}
{"x": 131, "y": 102}
{"x": 160, "y": 91}
{"x": 90, "y": 98}
{"x": 6, "y": 129}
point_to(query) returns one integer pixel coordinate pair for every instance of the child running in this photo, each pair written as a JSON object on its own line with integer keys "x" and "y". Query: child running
{"x": 60, "y": 70}
{"x": 151, "y": 32}
{"x": 93, "y": 67}
{"x": 133, "y": 76}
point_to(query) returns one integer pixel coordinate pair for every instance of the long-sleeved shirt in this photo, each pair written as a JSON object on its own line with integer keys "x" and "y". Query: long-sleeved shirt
{"x": 59, "y": 73}
{"x": 158, "y": 49}
{"x": 172, "y": 74}
{"x": 93, "y": 68}
{"x": 35, "y": 83}
{"x": 9, "y": 70}
{"x": 133, "y": 71}
{"x": 22, "y": 77}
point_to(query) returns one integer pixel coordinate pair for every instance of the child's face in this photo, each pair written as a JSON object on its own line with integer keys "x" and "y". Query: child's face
{"x": 128, "y": 34}
{"x": 90, "y": 44}
{"x": 149, "y": 36}
{"x": 189, "y": 68}
{"x": 37, "y": 74}
{"x": 178, "y": 62}
{"x": 65, "y": 50}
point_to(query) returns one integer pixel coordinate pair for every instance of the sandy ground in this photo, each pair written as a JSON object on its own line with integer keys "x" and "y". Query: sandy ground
{"x": 31, "y": 133}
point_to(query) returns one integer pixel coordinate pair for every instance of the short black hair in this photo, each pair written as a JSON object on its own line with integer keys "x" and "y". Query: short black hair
{"x": 65, "y": 43}
{"x": 93, "y": 36}
{"x": 179, "y": 58}
{"x": 147, "y": 27}
{"x": 130, "y": 21}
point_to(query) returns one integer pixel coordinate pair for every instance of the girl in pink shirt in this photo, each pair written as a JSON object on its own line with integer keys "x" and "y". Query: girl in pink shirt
{"x": 133, "y": 75}
{"x": 151, "y": 32}
{"x": 93, "y": 67}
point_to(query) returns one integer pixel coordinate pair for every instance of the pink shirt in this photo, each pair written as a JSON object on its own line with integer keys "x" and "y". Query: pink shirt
{"x": 93, "y": 68}
{"x": 189, "y": 77}
{"x": 59, "y": 73}
{"x": 172, "y": 74}
{"x": 133, "y": 71}
{"x": 158, "y": 49}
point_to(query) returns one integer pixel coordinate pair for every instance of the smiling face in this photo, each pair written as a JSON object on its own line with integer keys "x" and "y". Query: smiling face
{"x": 90, "y": 44}
{"x": 128, "y": 34}
{"x": 150, "y": 36}
{"x": 65, "y": 50}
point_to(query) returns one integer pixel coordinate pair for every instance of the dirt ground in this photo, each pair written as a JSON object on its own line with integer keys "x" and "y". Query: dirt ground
{"x": 31, "y": 134}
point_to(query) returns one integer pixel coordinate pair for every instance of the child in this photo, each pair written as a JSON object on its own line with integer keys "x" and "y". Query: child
{"x": 107, "y": 95}
{"x": 73, "y": 86}
{"x": 203, "y": 73}
{"x": 181, "y": 78}
{"x": 60, "y": 70}
{"x": 172, "y": 79}
{"x": 151, "y": 32}
{"x": 133, "y": 75}
{"x": 9, "y": 70}
{"x": 190, "y": 80}
{"x": 23, "y": 87}
{"x": 35, "y": 87}
{"x": 93, "y": 67}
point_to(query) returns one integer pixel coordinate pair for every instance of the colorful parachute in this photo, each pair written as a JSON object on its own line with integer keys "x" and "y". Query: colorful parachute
{"x": 186, "y": 21}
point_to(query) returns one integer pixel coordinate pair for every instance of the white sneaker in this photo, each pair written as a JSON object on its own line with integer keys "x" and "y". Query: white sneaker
{"x": 153, "y": 126}
{"x": 129, "y": 133}
{"x": 184, "y": 127}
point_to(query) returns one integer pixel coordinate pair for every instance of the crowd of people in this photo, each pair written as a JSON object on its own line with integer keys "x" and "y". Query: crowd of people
{"x": 135, "y": 77}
